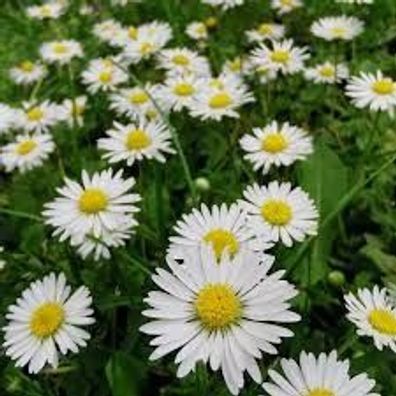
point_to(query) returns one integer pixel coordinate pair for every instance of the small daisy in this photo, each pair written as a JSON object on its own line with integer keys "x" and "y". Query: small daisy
{"x": 103, "y": 75}
{"x": 337, "y": 28}
{"x": 285, "y": 6}
{"x": 324, "y": 375}
{"x": 197, "y": 31}
{"x": 136, "y": 142}
{"x": 26, "y": 152}
{"x": 227, "y": 314}
{"x": 8, "y": 118}
{"x": 74, "y": 110}
{"x": 276, "y": 144}
{"x": 221, "y": 228}
{"x": 266, "y": 31}
{"x": 237, "y": 67}
{"x": 51, "y": 10}
{"x": 327, "y": 73}
{"x": 264, "y": 73}
{"x": 282, "y": 56}
{"x": 280, "y": 212}
{"x": 224, "y": 4}
{"x": 28, "y": 72}
{"x": 46, "y": 320}
{"x": 38, "y": 117}
{"x": 374, "y": 314}
{"x": 107, "y": 29}
{"x": 374, "y": 91}
{"x": 61, "y": 51}
{"x": 101, "y": 204}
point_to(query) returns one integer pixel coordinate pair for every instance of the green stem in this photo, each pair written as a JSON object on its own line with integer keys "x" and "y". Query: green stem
{"x": 136, "y": 263}
{"x": 22, "y": 215}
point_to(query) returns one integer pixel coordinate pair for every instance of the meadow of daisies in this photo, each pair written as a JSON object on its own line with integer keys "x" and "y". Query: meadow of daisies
{"x": 197, "y": 198}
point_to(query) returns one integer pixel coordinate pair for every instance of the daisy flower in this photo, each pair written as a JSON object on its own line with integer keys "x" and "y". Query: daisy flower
{"x": 51, "y": 10}
{"x": 197, "y": 31}
{"x": 103, "y": 74}
{"x": 324, "y": 375}
{"x": 282, "y": 56}
{"x": 264, "y": 73}
{"x": 337, "y": 28}
{"x": 227, "y": 314}
{"x": 280, "y": 212}
{"x": 374, "y": 314}
{"x": 136, "y": 142}
{"x": 28, "y": 72}
{"x": 8, "y": 118}
{"x": 285, "y": 6}
{"x": 74, "y": 110}
{"x": 106, "y": 30}
{"x": 224, "y": 4}
{"x": 238, "y": 67}
{"x": 375, "y": 91}
{"x": 266, "y": 31}
{"x": 276, "y": 144}
{"x": 38, "y": 117}
{"x": 327, "y": 73}
{"x": 46, "y": 320}
{"x": 101, "y": 204}
{"x": 61, "y": 51}
{"x": 26, "y": 152}
{"x": 221, "y": 228}
{"x": 122, "y": 37}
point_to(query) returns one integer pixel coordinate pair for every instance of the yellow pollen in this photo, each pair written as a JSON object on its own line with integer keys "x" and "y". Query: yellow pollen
{"x": 327, "y": 71}
{"x": 93, "y": 200}
{"x": 220, "y": 100}
{"x": 338, "y": 31}
{"x": 132, "y": 32}
{"x": 211, "y": 22}
{"x": 146, "y": 48}
{"x": 138, "y": 98}
{"x": 274, "y": 143}
{"x": 276, "y": 212}
{"x": 47, "y": 319}
{"x": 384, "y": 321}
{"x": 201, "y": 29}
{"x": 27, "y": 66}
{"x": 286, "y": 3}
{"x": 45, "y": 11}
{"x": 265, "y": 28}
{"x": 137, "y": 140}
{"x": 35, "y": 114}
{"x": 105, "y": 76}
{"x": 222, "y": 240}
{"x": 385, "y": 86}
{"x": 183, "y": 89}
{"x": 320, "y": 392}
{"x": 218, "y": 307}
{"x": 180, "y": 60}
{"x": 59, "y": 48}
{"x": 26, "y": 147}
{"x": 280, "y": 56}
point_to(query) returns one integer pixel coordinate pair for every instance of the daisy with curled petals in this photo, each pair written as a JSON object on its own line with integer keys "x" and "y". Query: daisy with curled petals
{"x": 61, "y": 51}
{"x": 375, "y": 91}
{"x": 46, "y": 11}
{"x": 101, "y": 204}
{"x": 221, "y": 228}
{"x": 266, "y": 31}
{"x": 74, "y": 110}
{"x": 105, "y": 31}
{"x": 136, "y": 142}
{"x": 224, "y": 4}
{"x": 280, "y": 212}
{"x": 38, "y": 117}
{"x": 327, "y": 73}
{"x": 197, "y": 31}
{"x": 26, "y": 152}
{"x": 226, "y": 313}
{"x": 45, "y": 321}
{"x": 28, "y": 72}
{"x": 374, "y": 314}
{"x": 285, "y": 6}
{"x": 275, "y": 145}
{"x": 337, "y": 28}
{"x": 324, "y": 375}
{"x": 282, "y": 56}
{"x": 8, "y": 118}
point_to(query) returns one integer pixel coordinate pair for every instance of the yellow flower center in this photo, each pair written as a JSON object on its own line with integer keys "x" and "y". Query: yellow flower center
{"x": 286, "y": 3}
{"x": 146, "y": 48}
{"x": 211, "y": 22}
{"x": 105, "y": 76}
{"x": 180, "y": 60}
{"x": 383, "y": 321}
{"x": 385, "y": 86}
{"x": 222, "y": 240}
{"x": 59, "y": 48}
{"x": 276, "y": 212}
{"x": 236, "y": 65}
{"x": 47, "y": 319}
{"x": 274, "y": 143}
{"x": 27, "y": 66}
{"x": 220, "y": 100}
{"x": 280, "y": 56}
{"x": 327, "y": 71}
{"x": 35, "y": 114}
{"x": 45, "y": 11}
{"x": 137, "y": 140}
{"x": 138, "y": 98}
{"x": 132, "y": 32}
{"x": 151, "y": 114}
{"x": 26, "y": 147}
{"x": 218, "y": 307}
{"x": 320, "y": 392}
{"x": 93, "y": 200}
{"x": 183, "y": 89}
{"x": 338, "y": 31}
{"x": 265, "y": 28}
{"x": 201, "y": 29}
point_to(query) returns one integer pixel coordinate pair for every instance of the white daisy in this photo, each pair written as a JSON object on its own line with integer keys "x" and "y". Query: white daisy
{"x": 374, "y": 314}
{"x": 327, "y": 73}
{"x": 46, "y": 320}
{"x": 266, "y": 31}
{"x": 224, "y": 4}
{"x": 8, "y": 118}
{"x": 107, "y": 29}
{"x": 227, "y": 314}
{"x": 26, "y": 152}
{"x": 237, "y": 67}
{"x": 280, "y": 212}
{"x": 337, "y": 28}
{"x": 74, "y": 110}
{"x": 136, "y": 142}
{"x": 276, "y": 144}
{"x": 61, "y": 51}
{"x": 374, "y": 91}
{"x": 28, "y": 72}
{"x": 282, "y": 56}
{"x": 222, "y": 228}
{"x": 324, "y": 375}
{"x": 197, "y": 31}
{"x": 285, "y": 6}
{"x": 124, "y": 36}
{"x": 51, "y": 10}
